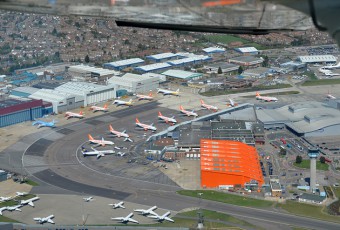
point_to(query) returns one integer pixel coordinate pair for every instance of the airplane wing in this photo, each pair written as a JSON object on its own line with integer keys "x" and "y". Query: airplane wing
{"x": 153, "y": 217}
{"x": 134, "y": 221}
{"x": 31, "y": 203}
{"x": 50, "y": 221}
{"x": 169, "y": 219}
{"x": 37, "y": 219}
{"x": 117, "y": 218}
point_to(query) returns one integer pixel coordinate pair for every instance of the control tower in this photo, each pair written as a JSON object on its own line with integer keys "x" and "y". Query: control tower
{"x": 313, "y": 155}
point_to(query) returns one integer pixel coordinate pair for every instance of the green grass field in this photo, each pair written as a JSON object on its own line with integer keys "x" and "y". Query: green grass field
{"x": 336, "y": 191}
{"x": 228, "y": 198}
{"x": 31, "y": 182}
{"x": 306, "y": 165}
{"x": 321, "y": 82}
{"x": 6, "y": 219}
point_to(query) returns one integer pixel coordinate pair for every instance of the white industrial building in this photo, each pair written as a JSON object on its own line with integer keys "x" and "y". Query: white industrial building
{"x": 92, "y": 93}
{"x": 83, "y": 72}
{"x": 135, "y": 83}
{"x": 313, "y": 59}
{"x": 247, "y": 50}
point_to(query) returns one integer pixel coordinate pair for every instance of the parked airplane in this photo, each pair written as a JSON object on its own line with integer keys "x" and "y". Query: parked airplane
{"x": 29, "y": 201}
{"x": 187, "y": 112}
{"x": 126, "y": 219}
{"x": 171, "y": 120}
{"x": 266, "y": 99}
{"x": 21, "y": 193}
{"x": 332, "y": 66}
{"x": 168, "y": 92}
{"x": 79, "y": 115}
{"x": 163, "y": 217}
{"x": 146, "y": 211}
{"x": 120, "y": 134}
{"x": 144, "y": 97}
{"x": 95, "y": 152}
{"x": 231, "y": 103}
{"x": 330, "y": 96}
{"x": 117, "y": 205}
{"x": 330, "y": 73}
{"x": 42, "y": 220}
{"x": 2, "y": 209}
{"x": 121, "y": 154}
{"x": 120, "y": 102}
{"x": 5, "y": 198}
{"x": 101, "y": 142}
{"x": 14, "y": 208}
{"x": 41, "y": 123}
{"x": 145, "y": 126}
{"x": 88, "y": 199}
{"x": 209, "y": 107}
{"x": 98, "y": 108}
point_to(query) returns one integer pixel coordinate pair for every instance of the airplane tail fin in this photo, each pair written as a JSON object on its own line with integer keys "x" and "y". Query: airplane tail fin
{"x": 177, "y": 90}
{"x": 105, "y": 106}
{"x": 90, "y": 137}
{"x": 159, "y": 114}
{"x": 137, "y": 121}
{"x": 202, "y": 102}
{"x": 110, "y": 127}
{"x": 150, "y": 94}
{"x": 258, "y": 94}
{"x": 181, "y": 107}
{"x": 81, "y": 112}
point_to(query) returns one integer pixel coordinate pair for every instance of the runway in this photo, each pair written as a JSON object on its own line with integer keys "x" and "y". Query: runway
{"x": 50, "y": 156}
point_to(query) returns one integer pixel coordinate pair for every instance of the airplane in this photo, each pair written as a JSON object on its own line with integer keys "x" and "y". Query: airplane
{"x": 88, "y": 199}
{"x": 120, "y": 134}
{"x": 121, "y": 154}
{"x": 41, "y": 123}
{"x": 42, "y": 220}
{"x": 117, "y": 205}
{"x": 163, "y": 217}
{"x": 120, "y": 102}
{"x": 126, "y": 219}
{"x": 168, "y": 92}
{"x": 14, "y": 208}
{"x": 330, "y": 96}
{"x": 95, "y": 152}
{"x": 4, "y": 198}
{"x": 332, "y": 66}
{"x": 231, "y": 103}
{"x": 2, "y": 209}
{"x": 29, "y": 201}
{"x": 98, "y": 108}
{"x": 187, "y": 112}
{"x": 167, "y": 119}
{"x": 79, "y": 115}
{"x": 330, "y": 73}
{"x": 266, "y": 99}
{"x": 21, "y": 193}
{"x": 145, "y": 97}
{"x": 101, "y": 142}
{"x": 145, "y": 126}
{"x": 146, "y": 211}
{"x": 209, "y": 107}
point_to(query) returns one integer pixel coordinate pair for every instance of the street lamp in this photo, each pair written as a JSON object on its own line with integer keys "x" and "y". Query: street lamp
{"x": 199, "y": 212}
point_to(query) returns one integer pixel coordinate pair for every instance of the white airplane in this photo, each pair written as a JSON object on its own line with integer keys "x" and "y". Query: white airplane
{"x": 126, "y": 219}
{"x": 42, "y": 220}
{"x": 209, "y": 107}
{"x": 168, "y": 92}
{"x": 95, "y": 152}
{"x": 88, "y": 199}
{"x": 101, "y": 142}
{"x": 231, "y": 103}
{"x": 98, "y": 108}
{"x": 21, "y": 193}
{"x": 14, "y": 208}
{"x": 29, "y": 201}
{"x": 145, "y": 97}
{"x": 171, "y": 120}
{"x": 163, "y": 217}
{"x": 120, "y": 134}
{"x": 2, "y": 209}
{"x": 79, "y": 115}
{"x": 145, "y": 126}
{"x": 331, "y": 74}
{"x": 147, "y": 211}
{"x": 266, "y": 99}
{"x": 187, "y": 112}
{"x": 120, "y": 102}
{"x": 121, "y": 154}
{"x": 5, "y": 198}
{"x": 118, "y": 205}
{"x": 332, "y": 66}
{"x": 330, "y": 96}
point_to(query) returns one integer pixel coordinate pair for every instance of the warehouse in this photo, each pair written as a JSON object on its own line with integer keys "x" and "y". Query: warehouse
{"x": 213, "y": 50}
{"x": 317, "y": 59}
{"x": 155, "y": 68}
{"x": 162, "y": 57}
{"x": 225, "y": 67}
{"x": 83, "y": 72}
{"x": 229, "y": 163}
{"x": 60, "y": 101}
{"x": 180, "y": 75}
{"x": 293, "y": 66}
{"x": 23, "y": 91}
{"x": 89, "y": 92}
{"x": 258, "y": 72}
{"x": 191, "y": 60}
{"x": 247, "y": 50}
{"x": 122, "y": 64}
{"x": 246, "y": 61}
{"x": 135, "y": 83}
{"x": 15, "y": 111}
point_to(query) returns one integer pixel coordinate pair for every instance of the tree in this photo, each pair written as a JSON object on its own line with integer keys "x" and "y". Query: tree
{"x": 240, "y": 70}
{"x": 322, "y": 159}
{"x": 265, "y": 62}
{"x": 219, "y": 71}
{"x": 283, "y": 152}
{"x": 298, "y": 160}
{"x": 87, "y": 59}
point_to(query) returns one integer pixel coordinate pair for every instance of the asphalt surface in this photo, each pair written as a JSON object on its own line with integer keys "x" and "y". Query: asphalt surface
{"x": 53, "y": 160}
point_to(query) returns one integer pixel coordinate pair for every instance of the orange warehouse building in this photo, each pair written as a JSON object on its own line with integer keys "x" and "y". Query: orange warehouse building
{"x": 225, "y": 162}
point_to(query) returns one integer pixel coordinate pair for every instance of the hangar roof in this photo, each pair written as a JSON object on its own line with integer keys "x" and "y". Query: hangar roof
{"x": 317, "y": 58}
{"x": 125, "y": 62}
{"x": 82, "y": 88}
{"x": 214, "y": 50}
{"x": 153, "y": 67}
{"x": 181, "y": 74}
{"x": 247, "y": 49}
